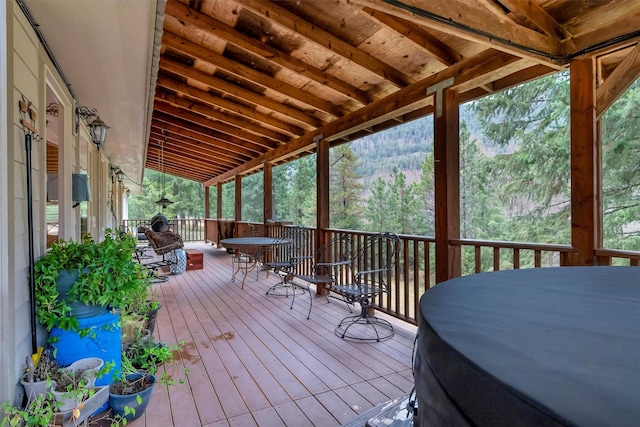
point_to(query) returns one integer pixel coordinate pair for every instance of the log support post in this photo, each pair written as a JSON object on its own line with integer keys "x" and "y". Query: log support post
{"x": 322, "y": 194}
{"x": 585, "y": 163}
{"x": 447, "y": 184}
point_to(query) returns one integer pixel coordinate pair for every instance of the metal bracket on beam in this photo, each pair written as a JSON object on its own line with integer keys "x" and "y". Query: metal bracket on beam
{"x": 438, "y": 89}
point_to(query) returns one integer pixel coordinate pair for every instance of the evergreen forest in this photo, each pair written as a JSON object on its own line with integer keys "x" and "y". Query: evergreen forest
{"x": 514, "y": 175}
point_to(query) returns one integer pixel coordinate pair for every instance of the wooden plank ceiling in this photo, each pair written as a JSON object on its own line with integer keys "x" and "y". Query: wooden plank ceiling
{"x": 244, "y": 82}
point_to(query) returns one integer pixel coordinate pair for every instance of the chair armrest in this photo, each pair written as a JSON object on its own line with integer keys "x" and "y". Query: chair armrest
{"x": 360, "y": 274}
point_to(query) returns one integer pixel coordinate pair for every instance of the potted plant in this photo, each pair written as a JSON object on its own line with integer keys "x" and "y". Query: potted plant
{"x": 37, "y": 377}
{"x": 130, "y": 393}
{"x": 143, "y": 305}
{"x": 147, "y": 354}
{"x": 70, "y": 388}
{"x": 38, "y": 412}
{"x": 104, "y": 275}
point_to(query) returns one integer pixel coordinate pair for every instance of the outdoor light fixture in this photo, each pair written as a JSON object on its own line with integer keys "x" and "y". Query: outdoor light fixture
{"x": 163, "y": 201}
{"x": 97, "y": 127}
{"x": 117, "y": 172}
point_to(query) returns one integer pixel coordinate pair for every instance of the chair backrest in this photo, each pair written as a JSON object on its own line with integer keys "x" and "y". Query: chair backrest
{"x": 336, "y": 250}
{"x": 330, "y": 259}
{"x": 164, "y": 241}
{"x": 254, "y": 231}
{"x": 372, "y": 261}
{"x": 291, "y": 252}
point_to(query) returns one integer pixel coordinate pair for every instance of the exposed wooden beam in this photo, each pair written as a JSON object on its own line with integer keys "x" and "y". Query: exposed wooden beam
{"x": 612, "y": 22}
{"x": 531, "y": 11}
{"x": 323, "y": 38}
{"x": 243, "y": 72}
{"x": 416, "y": 34}
{"x": 471, "y": 15}
{"x": 522, "y": 76}
{"x": 224, "y": 156}
{"x": 470, "y": 68}
{"x": 305, "y": 120}
{"x": 178, "y": 156}
{"x": 180, "y": 114}
{"x": 198, "y": 148}
{"x": 618, "y": 81}
{"x": 219, "y": 115}
{"x": 228, "y": 105}
{"x": 234, "y": 37}
{"x": 233, "y": 144}
{"x": 242, "y": 153}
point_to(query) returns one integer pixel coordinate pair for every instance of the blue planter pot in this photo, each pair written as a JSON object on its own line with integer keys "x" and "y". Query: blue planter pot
{"x": 64, "y": 282}
{"x": 119, "y": 402}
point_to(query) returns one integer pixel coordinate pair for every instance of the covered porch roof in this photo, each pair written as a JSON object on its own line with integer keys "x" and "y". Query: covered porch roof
{"x": 229, "y": 85}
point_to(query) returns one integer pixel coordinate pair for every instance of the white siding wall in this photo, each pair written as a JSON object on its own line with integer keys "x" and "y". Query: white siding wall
{"x": 26, "y": 71}
{"x": 23, "y": 75}
{"x": 7, "y": 352}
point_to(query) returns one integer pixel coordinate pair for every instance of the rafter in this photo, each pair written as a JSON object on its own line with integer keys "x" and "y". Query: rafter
{"x": 230, "y": 106}
{"x": 198, "y": 132}
{"x": 223, "y": 128}
{"x": 217, "y": 115}
{"x": 531, "y": 11}
{"x": 295, "y": 65}
{"x": 470, "y": 15}
{"x": 417, "y": 35}
{"x": 323, "y": 38}
{"x": 245, "y": 73}
{"x": 182, "y": 148}
{"x": 226, "y": 157}
{"x": 618, "y": 81}
{"x": 187, "y": 72}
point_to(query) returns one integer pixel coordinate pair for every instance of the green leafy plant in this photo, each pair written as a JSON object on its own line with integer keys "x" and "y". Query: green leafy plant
{"x": 147, "y": 354}
{"x": 38, "y": 412}
{"x": 108, "y": 277}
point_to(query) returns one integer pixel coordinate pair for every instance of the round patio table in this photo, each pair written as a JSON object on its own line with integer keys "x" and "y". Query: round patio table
{"x": 243, "y": 245}
{"x": 545, "y": 347}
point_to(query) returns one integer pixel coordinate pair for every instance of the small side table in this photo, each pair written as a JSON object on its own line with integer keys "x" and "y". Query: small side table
{"x": 195, "y": 259}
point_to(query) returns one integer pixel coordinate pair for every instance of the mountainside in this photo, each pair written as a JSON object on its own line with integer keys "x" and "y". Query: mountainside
{"x": 404, "y": 146}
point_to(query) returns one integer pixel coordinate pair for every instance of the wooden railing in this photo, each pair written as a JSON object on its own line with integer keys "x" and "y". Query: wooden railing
{"x": 617, "y": 257}
{"x": 414, "y": 270}
{"x": 489, "y": 255}
{"x": 190, "y": 229}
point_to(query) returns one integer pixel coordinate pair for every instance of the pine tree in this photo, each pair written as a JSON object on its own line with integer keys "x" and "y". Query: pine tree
{"x": 345, "y": 208}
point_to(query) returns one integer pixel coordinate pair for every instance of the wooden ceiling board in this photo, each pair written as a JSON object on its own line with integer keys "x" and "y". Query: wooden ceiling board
{"x": 224, "y": 158}
{"x": 220, "y": 115}
{"x": 243, "y": 82}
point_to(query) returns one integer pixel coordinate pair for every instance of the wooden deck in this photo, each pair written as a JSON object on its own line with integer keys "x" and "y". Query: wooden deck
{"x": 252, "y": 361}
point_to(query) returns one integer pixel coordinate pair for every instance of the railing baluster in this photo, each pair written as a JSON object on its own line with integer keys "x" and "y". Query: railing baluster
{"x": 406, "y": 281}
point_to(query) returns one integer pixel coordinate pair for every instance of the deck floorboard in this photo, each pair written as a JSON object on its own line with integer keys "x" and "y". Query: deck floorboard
{"x": 253, "y": 360}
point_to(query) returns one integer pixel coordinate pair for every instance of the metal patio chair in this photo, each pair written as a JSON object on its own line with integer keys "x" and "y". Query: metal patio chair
{"x": 284, "y": 259}
{"x": 371, "y": 264}
{"x": 164, "y": 245}
{"x": 250, "y": 257}
{"x": 327, "y": 264}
